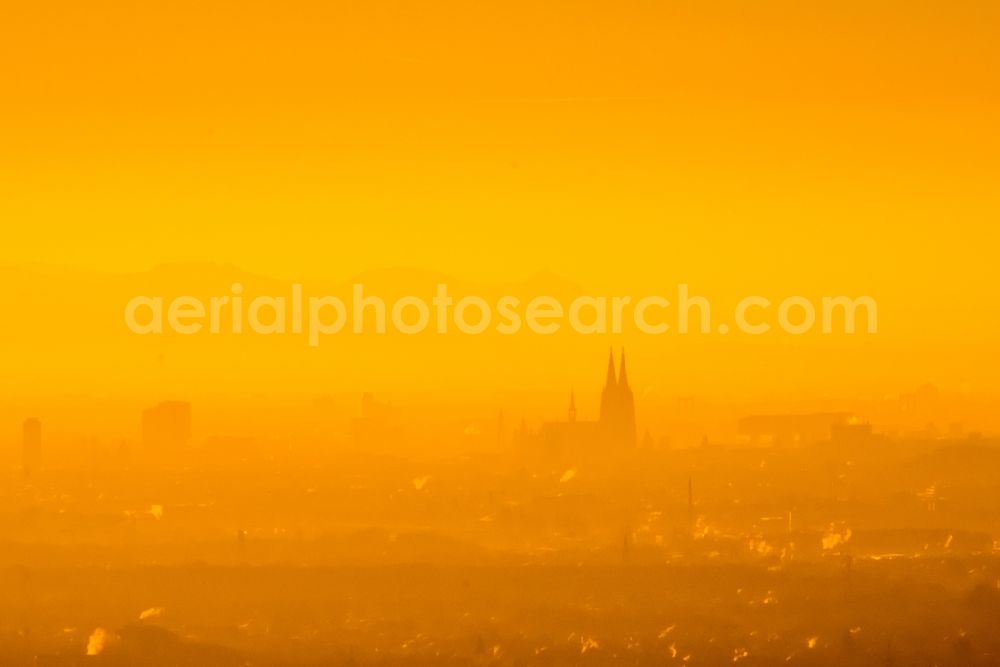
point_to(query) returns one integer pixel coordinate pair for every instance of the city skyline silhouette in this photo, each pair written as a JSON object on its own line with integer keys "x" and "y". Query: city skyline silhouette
{"x": 409, "y": 333}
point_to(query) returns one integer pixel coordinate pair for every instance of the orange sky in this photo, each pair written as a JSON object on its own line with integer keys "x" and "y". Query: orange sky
{"x": 603, "y": 141}
{"x": 772, "y": 148}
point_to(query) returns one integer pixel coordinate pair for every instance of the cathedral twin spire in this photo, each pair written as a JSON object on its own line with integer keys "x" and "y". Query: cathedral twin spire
{"x": 618, "y": 404}
{"x": 622, "y": 380}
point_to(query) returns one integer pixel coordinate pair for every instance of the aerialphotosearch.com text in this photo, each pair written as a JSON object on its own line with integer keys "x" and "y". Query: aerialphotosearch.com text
{"x": 318, "y": 316}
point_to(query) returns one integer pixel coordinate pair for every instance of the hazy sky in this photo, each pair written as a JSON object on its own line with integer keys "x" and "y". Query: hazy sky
{"x": 773, "y": 148}
{"x": 494, "y": 139}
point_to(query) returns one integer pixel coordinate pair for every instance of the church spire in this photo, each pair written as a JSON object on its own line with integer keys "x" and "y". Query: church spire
{"x": 610, "y": 380}
{"x": 623, "y": 376}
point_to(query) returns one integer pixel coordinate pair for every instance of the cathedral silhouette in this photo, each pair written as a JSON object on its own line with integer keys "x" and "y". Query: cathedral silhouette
{"x": 615, "y": 428}
{"x": 617, "y": 405}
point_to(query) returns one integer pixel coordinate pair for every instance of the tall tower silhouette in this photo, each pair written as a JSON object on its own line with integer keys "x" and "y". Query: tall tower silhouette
{"x": 617, "y": 406}
{"x": 626, "y": 406}
{"x": 572, "y": 407}
{"x": 608, "y": 394}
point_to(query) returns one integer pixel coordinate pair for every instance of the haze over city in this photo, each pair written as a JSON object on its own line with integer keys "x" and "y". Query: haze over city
{"x": 214, "y": 494}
